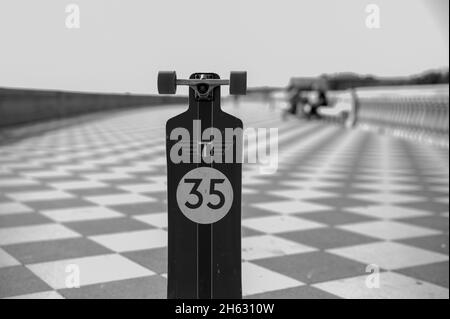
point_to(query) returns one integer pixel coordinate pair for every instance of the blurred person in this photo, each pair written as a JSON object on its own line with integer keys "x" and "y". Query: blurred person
{"x": 320, "y": 100}
{"x": 294, "y": 99}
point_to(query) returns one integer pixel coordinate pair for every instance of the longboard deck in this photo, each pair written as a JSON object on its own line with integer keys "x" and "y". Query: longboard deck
{"x": 204, "y": 260}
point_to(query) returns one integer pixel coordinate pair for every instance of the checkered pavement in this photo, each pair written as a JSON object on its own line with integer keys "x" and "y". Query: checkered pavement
{"x": 90, "y": 192}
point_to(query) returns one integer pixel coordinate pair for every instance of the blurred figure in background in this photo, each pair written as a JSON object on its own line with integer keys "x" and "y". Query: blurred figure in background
{"x": 320, "y": 100}
{"x": 294, "y": 99}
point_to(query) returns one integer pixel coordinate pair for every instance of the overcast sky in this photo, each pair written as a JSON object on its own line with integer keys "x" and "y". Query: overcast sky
{"x": 121, "y": 44}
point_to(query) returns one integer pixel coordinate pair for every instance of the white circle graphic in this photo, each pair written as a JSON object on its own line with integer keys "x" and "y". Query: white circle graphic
{"x": 204, "y": 195}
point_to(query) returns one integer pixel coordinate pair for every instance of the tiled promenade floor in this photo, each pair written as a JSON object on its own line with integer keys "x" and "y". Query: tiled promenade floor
{"x": 90, "y": 192}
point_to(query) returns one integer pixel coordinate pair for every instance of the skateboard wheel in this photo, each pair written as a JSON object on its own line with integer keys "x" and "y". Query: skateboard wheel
{"x": 167, "y": 82}
{"x": 238, "y": 83}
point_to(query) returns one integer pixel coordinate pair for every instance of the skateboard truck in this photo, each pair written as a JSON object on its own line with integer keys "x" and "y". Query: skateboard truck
{"x": 203, "y": 84}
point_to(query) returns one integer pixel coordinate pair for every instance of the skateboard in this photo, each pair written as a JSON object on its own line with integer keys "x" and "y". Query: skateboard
{"x": 204, "y": 174}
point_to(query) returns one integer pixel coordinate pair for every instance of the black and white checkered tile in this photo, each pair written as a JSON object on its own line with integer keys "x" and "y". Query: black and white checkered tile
{"x": 91, "y": 193}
